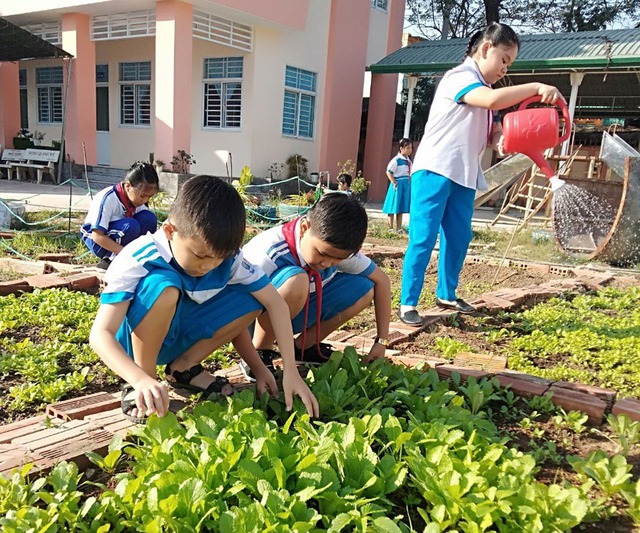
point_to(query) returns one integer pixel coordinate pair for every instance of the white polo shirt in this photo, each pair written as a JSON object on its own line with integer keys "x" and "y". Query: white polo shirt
{"x": 456, "y": 133}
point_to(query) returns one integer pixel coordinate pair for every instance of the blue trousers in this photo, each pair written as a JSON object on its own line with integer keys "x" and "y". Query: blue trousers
{"x": 124, "y": 231}
{"x": 438, "y": 205}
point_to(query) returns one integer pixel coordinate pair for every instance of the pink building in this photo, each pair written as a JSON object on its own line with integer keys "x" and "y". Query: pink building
{"x": 261, "y": 80}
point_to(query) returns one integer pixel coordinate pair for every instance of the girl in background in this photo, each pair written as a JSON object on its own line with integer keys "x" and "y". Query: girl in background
{"x": 118, "y": 214}
{"x": 398, "y": 197}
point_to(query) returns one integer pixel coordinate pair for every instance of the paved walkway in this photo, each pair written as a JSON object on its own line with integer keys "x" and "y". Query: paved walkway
{"x": 57, "y": 197}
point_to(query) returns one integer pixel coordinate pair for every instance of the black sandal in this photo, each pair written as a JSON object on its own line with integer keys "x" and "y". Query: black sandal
{"x": 182, "y": 380}
{"x": 128, "y": 404}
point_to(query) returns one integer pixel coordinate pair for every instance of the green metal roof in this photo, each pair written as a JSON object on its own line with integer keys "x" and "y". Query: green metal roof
{"x": 578, "y": 50}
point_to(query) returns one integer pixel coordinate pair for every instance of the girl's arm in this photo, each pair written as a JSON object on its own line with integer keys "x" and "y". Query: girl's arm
{"x": 105, "y": 241}
{"x": 382, "y": 307}
{"x": 392, "y": 178}
{"x": 292, "y": 383}
{"x": 504, "y": 97}
{"x": 152, "y": 396}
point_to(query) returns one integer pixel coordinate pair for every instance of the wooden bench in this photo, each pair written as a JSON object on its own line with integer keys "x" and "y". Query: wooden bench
{"x": 9, "y": 158}
{"x": 40, "y": 160}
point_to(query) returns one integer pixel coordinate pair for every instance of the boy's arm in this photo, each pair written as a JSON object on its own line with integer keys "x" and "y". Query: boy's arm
{"x": 265, "y": 382}
{"x": 152, "y": 396}
{"x": 292, "y": 383}
{"x": 382, "y": 305}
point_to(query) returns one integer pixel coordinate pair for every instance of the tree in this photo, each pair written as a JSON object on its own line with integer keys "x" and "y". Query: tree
{"x": 444, "y": 19}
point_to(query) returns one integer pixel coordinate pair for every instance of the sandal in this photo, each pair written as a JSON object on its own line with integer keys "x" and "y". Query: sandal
{"x": 182, "y": 380}
{"x": 128, "y": 404}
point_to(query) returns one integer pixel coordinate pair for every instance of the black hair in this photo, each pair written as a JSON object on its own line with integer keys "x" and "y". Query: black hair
{"x": 404, "y": 142}
{"x": 211, "y": 209}
{"x": 345, "y": 178}
{"x": 339, "y": 220}
{"x": 142, "y": 173}
{"x": 496, "y": 33}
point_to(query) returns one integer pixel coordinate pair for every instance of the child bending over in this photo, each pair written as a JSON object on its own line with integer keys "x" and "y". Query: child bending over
{"x": 315, "y": 263}
{"x": 119, "y": 215}
{"x": 175, "y": 296}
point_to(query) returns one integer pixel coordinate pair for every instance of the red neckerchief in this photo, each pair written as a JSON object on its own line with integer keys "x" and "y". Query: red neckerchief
{"x": 129, "y": 208}
{"x": 289, "y": 233}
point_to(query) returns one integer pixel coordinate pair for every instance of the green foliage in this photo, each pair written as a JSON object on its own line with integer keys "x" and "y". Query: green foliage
{"x": 626, "y": 433}
{"x": 57, "y": 358}
{"x": 449, "y": 347}
{"x": 182, "y": 161}
{"x": 391, "y": 441}
{"x": 590, "y": 339}
{"x": 297, "y": 165}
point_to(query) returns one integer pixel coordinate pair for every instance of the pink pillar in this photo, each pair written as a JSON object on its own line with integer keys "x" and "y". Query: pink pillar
{"x": 80, "y": 119}
{"x": 173, "y": 72}
{"x": 9, "y": 103}
{"x": 342, "y": 109}
{"x": 382, "y": 105}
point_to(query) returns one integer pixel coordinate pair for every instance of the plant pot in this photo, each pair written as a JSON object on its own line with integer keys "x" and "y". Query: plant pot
{"x": 288, "y": 211}
{"x": 22, "y": 143}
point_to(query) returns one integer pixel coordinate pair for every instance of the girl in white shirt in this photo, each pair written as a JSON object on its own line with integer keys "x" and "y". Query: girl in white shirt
{"x": 446, "y": 171}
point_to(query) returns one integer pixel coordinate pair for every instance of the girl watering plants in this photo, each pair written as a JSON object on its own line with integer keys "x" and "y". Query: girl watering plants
{"x": 446, "y": 171}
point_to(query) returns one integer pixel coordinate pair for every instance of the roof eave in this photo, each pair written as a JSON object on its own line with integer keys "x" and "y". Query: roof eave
{"x": 555, "y": 64}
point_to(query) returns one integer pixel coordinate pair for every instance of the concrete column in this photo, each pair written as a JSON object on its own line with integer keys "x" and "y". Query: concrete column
{"x": 342, "y": 105}
{"x": 9, "y": 103}
{"x": 382, "y": 108}
{"x": 80, "y": 118}
{"x": 172, "y": 79}
{"x": 412, "y": 81}
{"x": 576, "y": 80}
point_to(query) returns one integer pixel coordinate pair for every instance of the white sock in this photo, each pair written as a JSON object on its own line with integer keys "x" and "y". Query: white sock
{"x": 406, "y": 308}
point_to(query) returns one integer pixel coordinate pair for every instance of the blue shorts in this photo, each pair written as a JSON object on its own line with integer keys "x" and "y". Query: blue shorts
{"x": 340, "y": 293}
{"x": 191, "y": 322}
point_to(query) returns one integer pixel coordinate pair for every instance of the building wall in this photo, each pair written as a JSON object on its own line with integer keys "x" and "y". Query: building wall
{"x": 297, "y": 37}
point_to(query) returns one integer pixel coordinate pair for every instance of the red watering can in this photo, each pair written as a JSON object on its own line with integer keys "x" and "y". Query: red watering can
{"x": 532, "y": 131}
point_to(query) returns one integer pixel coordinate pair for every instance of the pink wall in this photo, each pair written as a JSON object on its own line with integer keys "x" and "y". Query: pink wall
{"x": 382, "y": 110}
{"x": 291, "y": 13}
{"x": 9, "y": 103}
{"x": 346, "y": 61}
{"x": 173, "y": 74}
{"x": 80, "y": 119}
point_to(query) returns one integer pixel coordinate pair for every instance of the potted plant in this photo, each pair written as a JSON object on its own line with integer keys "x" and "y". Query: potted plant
{"x": 23, "y": 140}
{"x": 38, "y": 137}
{"x": 360, "y": 187}
{"x": 182, "y": 161}
{"x": 297, "y": 165}
{"x": 159, "y": 165}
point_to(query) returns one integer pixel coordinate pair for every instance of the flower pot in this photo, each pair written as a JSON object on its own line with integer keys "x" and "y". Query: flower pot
{"x": 22, "y": 143}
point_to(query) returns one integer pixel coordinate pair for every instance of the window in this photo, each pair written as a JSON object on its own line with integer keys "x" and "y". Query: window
{"x": 135, "y": 94}
{"x": 222, "y": 92}
{"x": 49, "y": 84}
{"x": 24, "y": 102}
{"x": 380, "y": 4}
{"x": 299, "y": 103}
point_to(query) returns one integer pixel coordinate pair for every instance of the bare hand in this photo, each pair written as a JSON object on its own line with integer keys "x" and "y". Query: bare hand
{"x": 549, "y": 94}
{"x": 377, "y": 352}
{"x": 151, "y": 397}
{"x": 266, "y": 382}
{"x": 292, "y": 384}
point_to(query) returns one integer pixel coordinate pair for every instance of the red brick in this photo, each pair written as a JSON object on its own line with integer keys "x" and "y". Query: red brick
{"x": 78, "y": 408}
{"x": 14, "y": 286}
{"x": 486, "y": 362}
{"x": 560, "y": 270}
{"x": 20, "y": 428}
{"x": 517, "y": 296}
{"x": 361, "y": 344}
{"x": 526, "y": 377}
{"x": 404, "y": 328}
{"x": 495, "y": 303}
{"x": 75, "y": 448}
{"x": 11, "y": 462}
{"x": 83, "y": 281}
{"x": 339, "y": 336}
{"x": 58, "y": 258}
{"x": 411, "y": 362}
{"x": 122, "y": 428}
{"x": 47, "y": 281}
{"x": 629, "y": 407}
{"x": 522, "y": 387}
{"x": 571, "y": 400}
{"x": 538, "y": 268}
{"x": 445, "y": 371}
{"x": 45, "y": 437}
{"x": 606, "y": 395}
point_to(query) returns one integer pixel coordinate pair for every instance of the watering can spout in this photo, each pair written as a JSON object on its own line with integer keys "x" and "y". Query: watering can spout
{"x": 556, "y": 183}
